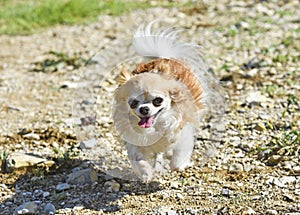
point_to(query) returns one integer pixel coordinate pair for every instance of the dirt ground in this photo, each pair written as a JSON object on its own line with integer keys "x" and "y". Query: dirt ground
{"x": 253, "y": 48}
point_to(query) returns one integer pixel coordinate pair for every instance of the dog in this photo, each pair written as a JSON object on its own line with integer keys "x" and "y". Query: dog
{"x": 158, "y": 103}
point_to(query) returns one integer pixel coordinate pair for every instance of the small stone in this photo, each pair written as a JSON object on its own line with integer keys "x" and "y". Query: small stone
{"x": 226, "y": 192}
{"x": 46, "y": 194}
{"x": 288, "y": 198}
{"x": 255, "y": 97}
{"x": 248, "y": 211}
{"x": 112, "y": 186}
{"x": 252, "y": 72}
{"x": 85, "y": 176}
{"x": 288, "y": 179}
{"x": 236, "y": 168}
{"x": 171, "y": 212}
{"x": 274, "y": 160}
{"x": 259, "y": 127}
{"x": 272, "y": 71}
{"x": 32, "y": 136}
{"x": 279, "y": 183}
{"x": 78, "y": 208}
{"x": 55, "y": 145}
{"x": 20, "y": 160}
{"x": 62, "y": 187}
{"x": 49, "y": 208}
{"x": 179, "y": 195}
{"x": 296, "y": 169}
{"x": 88, "y": 144}
{"x": 27, "y": 208}
{"x": 239, "y": 86}
{"x": 271, "y": 212}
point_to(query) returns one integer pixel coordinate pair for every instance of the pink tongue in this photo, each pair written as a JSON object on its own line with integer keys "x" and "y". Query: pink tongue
{"x": 146, "y": 122}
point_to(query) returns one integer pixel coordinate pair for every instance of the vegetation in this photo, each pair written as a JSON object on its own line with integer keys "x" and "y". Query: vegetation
{"x": 25, "y": 17}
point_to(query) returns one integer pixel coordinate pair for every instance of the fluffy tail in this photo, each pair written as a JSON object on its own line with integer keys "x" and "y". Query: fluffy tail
{"x": 165, "y": 43}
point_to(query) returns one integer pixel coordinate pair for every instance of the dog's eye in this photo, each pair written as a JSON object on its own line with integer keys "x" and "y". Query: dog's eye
{"x": 157, "y": 101}
{"x": 133, "y": 104}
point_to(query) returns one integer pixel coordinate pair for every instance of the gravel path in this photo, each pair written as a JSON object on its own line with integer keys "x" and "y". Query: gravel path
{"x": 252, "y": 47}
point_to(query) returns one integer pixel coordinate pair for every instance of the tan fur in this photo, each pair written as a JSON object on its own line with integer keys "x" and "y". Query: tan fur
{"x": 177, "y": 70}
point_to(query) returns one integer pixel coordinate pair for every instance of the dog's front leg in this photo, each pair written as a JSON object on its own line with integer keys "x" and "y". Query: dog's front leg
{"x": 183, "y": 149}
{"x": 138, "y": 159}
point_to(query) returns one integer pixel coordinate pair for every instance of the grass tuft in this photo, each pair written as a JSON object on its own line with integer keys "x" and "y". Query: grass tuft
{"x": 25, "y": 17}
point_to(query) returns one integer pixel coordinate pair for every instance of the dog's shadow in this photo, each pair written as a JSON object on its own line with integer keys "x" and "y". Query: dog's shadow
{"x": 30, "y": 186}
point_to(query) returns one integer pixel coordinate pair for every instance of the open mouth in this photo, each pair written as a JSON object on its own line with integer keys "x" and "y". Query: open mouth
{"x": 148, "y": 121}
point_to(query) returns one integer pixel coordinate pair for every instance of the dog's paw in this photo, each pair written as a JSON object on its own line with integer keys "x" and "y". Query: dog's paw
{"x": 181, "y": 166}
{"x": 144, "y": 170}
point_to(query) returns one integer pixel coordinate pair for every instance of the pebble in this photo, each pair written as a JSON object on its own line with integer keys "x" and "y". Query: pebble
{"x": 49, "y": 208}
{"x": 46, "y": 194}
{"x": 271, "y": 212}
{"x": 88, "y": 144}
{"x": 226, "y": 192}
{"x": 279, "y": 183}
{"x": 236, "y": 168}
{"x": 32, "y": 136}
{"x": 288, "y": 198}
{"x": 274, "y": 160}
{"x": 62, "y": 187}
{"x": 84, "y": 176}
{"x": 21, "y": 160}
{"x": 26, "y": 208}
{"x": 171, "y": 212}
{"x": 248, "y": 211}
{"x": 255, "y": 97}
{"x": 179, "y": 195}
{"x": 296, "y": 169}
{"x": 112, "y": 186}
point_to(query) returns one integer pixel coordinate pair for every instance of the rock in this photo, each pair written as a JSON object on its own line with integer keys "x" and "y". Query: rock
{"x": 88, "y": 144}
{"x": 27, "y": 208}
{"x": 279, "y": 183}
{"x": 49, "y": 208}
{"x": 271, "y": 212}
{"x": 259, "y": 127}
{"x": 288, "y": 198}
{"x": 20, "y": 160}
{"x": 62, "y": 187}
{"x": 274, "y": 160}
{"x": 226, "y": 192}
{"x": 171, "y": 212}
{"x": 255, "y": 97}
{"x": 288, "y": 179}
{"x": 32, "y": 136}
{"x": 112, "y": 186}
{"x": 248, "y": 211}
{"x": 84, "y": 176}
{"x": 252, "y": 72}
{"x": 46, "y": 194}
{"x": 235, "y": 168}
{"x": 179, "y": 195}
{"x": 296, "y": 169}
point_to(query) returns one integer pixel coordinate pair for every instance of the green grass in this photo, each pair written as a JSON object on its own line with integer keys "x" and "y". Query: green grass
{"x": 27, "y": 16}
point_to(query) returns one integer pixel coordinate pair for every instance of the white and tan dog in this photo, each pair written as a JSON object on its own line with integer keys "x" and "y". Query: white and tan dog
{"x": 157, "y": 104}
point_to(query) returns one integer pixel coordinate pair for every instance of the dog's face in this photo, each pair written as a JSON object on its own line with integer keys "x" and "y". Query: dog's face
{"x": 150, "y": 99}
{"x": 148, "y": 106}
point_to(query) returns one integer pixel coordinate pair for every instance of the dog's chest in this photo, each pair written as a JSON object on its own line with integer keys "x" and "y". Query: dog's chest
{"x": 165, "y": 143}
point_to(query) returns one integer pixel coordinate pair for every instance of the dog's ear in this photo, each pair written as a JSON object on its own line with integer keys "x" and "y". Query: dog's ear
{"x": 177, "y": 95}
{"x": 124, "y": 76}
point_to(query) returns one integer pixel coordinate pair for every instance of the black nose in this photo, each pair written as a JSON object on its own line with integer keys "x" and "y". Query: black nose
{"x": 144, "y": 110}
